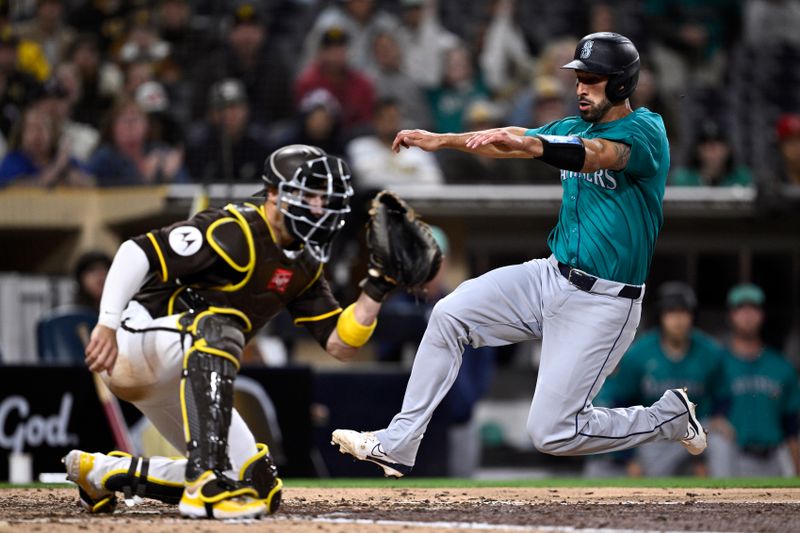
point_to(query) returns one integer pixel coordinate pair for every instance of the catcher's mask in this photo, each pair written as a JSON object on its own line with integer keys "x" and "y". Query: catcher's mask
{"x": 314, "y": 202}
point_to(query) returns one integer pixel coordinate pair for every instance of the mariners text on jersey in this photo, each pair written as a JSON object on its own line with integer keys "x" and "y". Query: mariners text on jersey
{"x": 604, "y": 178}
{"x": 609, "y": 220}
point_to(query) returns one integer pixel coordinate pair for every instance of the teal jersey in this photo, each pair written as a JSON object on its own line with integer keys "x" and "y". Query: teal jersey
{"x": 645, "y": 373}
{"x": 609, "y": 220}
{"x": 763, "y": 395}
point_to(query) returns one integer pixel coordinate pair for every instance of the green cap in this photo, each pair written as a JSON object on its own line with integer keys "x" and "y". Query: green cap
{"x": 745, "y": 293}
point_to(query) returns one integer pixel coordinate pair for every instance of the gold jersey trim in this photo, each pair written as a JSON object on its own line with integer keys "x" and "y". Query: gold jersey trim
{"x": 317, "y": 318}
{"x": 160, "y": 256}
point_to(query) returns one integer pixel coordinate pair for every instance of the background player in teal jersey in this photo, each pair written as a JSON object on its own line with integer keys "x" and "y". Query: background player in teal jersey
{"x": 762, "y": 389}
{"x": 584, "y": 301}
{"x": 673, "y": 355}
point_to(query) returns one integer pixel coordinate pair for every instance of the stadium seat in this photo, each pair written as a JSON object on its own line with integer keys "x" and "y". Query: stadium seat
{"x": 58, "y": 335}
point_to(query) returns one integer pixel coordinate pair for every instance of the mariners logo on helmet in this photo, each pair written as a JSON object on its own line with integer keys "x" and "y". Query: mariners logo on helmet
{"x": 612, "y": 55}
{"x": 586, "y": 51}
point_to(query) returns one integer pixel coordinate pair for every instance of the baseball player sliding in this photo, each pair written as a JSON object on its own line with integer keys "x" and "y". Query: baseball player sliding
{"x": 584, "y": 301}
{"x": 181, "y": 302}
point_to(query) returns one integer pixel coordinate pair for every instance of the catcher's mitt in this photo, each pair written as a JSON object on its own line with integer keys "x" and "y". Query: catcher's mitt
{"x": 402, "y": 250}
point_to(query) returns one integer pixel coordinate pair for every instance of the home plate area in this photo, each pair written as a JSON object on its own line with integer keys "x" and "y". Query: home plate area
{"x": 428, "y": 509}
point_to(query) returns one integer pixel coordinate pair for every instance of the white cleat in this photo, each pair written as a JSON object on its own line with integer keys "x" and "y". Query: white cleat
{"x": 365, "y": 446}
{"x": 695, "y": 439}
{"x": 82, "y": 469}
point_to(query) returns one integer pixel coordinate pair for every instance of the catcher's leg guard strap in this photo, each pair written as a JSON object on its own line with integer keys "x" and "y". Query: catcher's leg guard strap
{"x": 209, "y": 368}
{"x": 137, "y": 481}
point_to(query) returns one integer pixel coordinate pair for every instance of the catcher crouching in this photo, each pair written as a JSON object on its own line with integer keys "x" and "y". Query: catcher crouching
{"x": 181, "y": 302}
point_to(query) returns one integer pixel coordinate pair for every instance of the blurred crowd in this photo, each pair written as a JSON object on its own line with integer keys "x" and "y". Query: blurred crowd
{"x": 111, "y": 92}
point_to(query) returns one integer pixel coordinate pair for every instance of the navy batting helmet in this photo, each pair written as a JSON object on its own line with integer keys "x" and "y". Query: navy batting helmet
{"x": 610, "y": 54}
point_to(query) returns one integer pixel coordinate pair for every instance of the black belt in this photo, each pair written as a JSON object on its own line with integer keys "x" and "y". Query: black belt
{"x": 585, "y": 282}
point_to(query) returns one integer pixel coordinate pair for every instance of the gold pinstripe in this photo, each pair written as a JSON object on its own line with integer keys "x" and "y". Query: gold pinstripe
{"x": 317, "y": 318}
{"x": 160, "y": 256}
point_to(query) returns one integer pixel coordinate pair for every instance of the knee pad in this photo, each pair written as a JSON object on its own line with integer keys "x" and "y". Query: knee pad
{"x": 260, "y": 472}
{"x": 209, "y": 368}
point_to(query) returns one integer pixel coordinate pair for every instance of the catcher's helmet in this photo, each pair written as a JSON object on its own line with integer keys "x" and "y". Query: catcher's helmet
{"x": 301, "y": 172}
{"x": 610, "y": 54}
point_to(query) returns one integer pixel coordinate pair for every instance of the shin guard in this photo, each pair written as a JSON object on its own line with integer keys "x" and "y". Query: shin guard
{"x": 209, "y": 368}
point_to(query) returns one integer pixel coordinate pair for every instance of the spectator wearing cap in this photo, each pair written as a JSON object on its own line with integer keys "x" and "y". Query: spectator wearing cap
{"x": 162, "y": 126}
{"x": 360, "y": 20}
{"x": 374, "y": 163}
{"x": 17, "y": 88}
{"x": 38, "y": 157}
{"x": 227, "y": 146}
{"x": 48, "y": 29}
{"x": 788, "y": 133}
{"x": 58, "y": 96}
{"x": 761, "y": 388}
{"x": 318, "y": 122}
{"x": 424, "y": 41}
{"x": 125, "y": 156}
{"x": 674, "y": 355}
{"x": 392, "y": 82}
{"x": 250, "y": 55}
{"x": 711, "y": 162}
{"x": 142, "y": 52}
{"x": 330, "y": 70}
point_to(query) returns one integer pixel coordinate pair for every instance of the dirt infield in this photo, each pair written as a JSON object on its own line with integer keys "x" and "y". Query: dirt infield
{"x": 417, "y": 510}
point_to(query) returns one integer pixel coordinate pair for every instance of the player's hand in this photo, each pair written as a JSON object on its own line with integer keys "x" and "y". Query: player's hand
{"x": 420, "y": 138}
{"x": 101, "y": 352}
{"x": 500, "y": 139}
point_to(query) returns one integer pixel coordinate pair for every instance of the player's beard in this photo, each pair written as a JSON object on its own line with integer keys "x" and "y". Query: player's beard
{"x": 596, "y": 112}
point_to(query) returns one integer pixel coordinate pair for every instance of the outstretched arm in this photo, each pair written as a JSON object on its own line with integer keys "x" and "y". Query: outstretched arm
{"x": 431, "y": 142}
{"x": 511, "y": 142}
{"x": 598, "y": 153}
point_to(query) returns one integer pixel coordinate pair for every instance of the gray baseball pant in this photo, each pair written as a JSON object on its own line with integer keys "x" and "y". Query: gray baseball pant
{"x": 584, "y": 335}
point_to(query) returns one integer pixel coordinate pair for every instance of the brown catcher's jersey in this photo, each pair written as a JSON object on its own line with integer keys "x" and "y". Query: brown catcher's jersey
{"x": 230, "y": 258}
